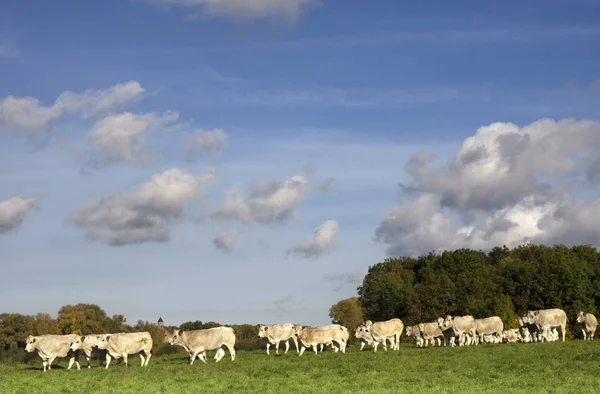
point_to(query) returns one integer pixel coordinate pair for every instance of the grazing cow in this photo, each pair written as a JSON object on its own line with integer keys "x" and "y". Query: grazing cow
{"x": 415, "y": 332}
{"x": 50, "y": 347}
{"x": 511, "y": 336}
{"x": 488, "y": 326}
{"x": 431, "y": 332}
{"x": 464, "y": 328}
{"x": 124, "y": 344}
{"x": 87, "y": 344}
{"x": 199, "y": 341}
{"x": 276, "y": 333}
{"x": 546, "y": 319}
{"x": 314, "y": 336}
{"x": 382, "y": 330}
{"x": 588, "y": 324}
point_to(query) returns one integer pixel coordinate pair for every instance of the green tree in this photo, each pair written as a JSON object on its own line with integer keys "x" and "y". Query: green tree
{"x": 348, "y": 313}
{"x": 83, "y": 319}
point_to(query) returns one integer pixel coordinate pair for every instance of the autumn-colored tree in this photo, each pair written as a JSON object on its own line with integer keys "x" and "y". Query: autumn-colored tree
{"x": 83, "y": 319}
{"x": 348, "y": 313}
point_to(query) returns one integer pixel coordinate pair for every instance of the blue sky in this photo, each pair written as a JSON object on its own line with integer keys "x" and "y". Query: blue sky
{"x": 341, "y": 94}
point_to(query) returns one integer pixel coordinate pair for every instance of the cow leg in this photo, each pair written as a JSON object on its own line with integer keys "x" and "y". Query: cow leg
{"x": 277, "y": 347}
{"x": 89, "y": 361}
{"x": 315, "y": 348}
{"x": 287, "y": 346}
{"x": 375, "y": 344}
{"x": 268, "y": 346}
{"x": 142, "y": 358}
{"x": 584, "y": 333}
{"x": 321, "y": 347}
{"x": 71, "y": 361}
{"x": 231, "y": 351}
{"x": 201, "y": 356}
{"x": 50, "y": 362}
{"x": 107, "y": 360}
{"x": 296, "y": 343}
{"x": 148, "y": 355}
{"x": 362, "y": 345}
{"x": 125, "y": 355}
{"x": 193, "y": 357}
{"x": 45, "y": 364}
{"x": 301, "y": 351}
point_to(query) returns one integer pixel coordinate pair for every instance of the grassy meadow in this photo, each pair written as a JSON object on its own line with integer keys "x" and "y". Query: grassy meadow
{"x": 573, "y": 366}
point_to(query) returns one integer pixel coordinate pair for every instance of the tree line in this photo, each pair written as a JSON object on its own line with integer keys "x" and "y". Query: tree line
{"x": 502, "y": 282}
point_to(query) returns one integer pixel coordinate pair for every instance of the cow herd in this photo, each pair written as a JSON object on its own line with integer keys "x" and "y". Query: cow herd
{"x": 534, "y": 326}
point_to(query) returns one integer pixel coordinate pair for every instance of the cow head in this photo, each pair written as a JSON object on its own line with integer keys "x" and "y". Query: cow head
{"x": 298, "y": 330}
{"x": 30, "y": 344}
{"x": 175, "y": 338}
{"x": 103, "y": 341}
{"x": 530, "y": 317}
{"x": 581, "y": 317}
{"x": 262, "y": 331}
{"x": 78, "y": 343}
{"x": 448, "y": 322}
{"x": 408, "y": 331}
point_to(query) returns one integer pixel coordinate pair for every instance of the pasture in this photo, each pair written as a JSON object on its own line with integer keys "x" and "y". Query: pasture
{"x": 556, "y": 367}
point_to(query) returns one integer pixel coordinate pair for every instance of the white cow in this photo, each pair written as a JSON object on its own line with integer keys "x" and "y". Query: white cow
{"x": 276, "y": 333}
{"x": 511, "y": 336}
{"x": 448, "y": 333}
{"x": 382, "y": 330}
{"x": 50, "y": 347}
{"x": 202, "y": 355}
{"x": 415, "y": 332}
{"x": 314, "y": 336}
{"x": 588, "y": 324}
{"x": 123, "y": 344}
{"x": 199, "y": 341}
{"x": 489, "y": 326}
{"x": 464, "y": 328}
{"x": 430, "y": 332}
{"x": 86, "y": 344}
{"x": 547, "y": 319}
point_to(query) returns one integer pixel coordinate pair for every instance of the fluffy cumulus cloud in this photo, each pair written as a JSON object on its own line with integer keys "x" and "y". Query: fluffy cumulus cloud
{"x": 144, "y": 214}
{"x": 207, "y": 141}
{"x": 321, "y": 241}
{"x": 224, "y": 241}
{"x": 121, "y": 137}
{"x": 13, "y": 211}
{"x": 28, "y": 115}
{"x": 507, "y": 185}
{"x": 244, "y": 9}
{"x": 270, "y": 202}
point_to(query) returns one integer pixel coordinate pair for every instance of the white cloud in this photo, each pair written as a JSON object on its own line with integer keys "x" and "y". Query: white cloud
{"x": 144, "y": 214}
{"x": 93, "y": 102}
{"x": 121, "y": 137}
{"x": 506, "y": 186}
{"x": 269, "y": 202}
{"x": 224, "y": 241}
{"x": 244, "y": 9}
{"x": 207, "y": 141}
{"x": 29, "y": 116}
{"x": 322, "y": 240}
{"x": 13, "y": 211}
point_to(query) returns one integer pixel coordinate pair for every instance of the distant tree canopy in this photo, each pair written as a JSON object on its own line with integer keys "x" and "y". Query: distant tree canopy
{"x": 348, "y": 313}
{"x": 502, "y": 282}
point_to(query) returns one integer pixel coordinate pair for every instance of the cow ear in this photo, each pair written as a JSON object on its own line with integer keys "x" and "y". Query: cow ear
{"x": 33, "y": 340}
{"x": 82, "y": 339}
{"x": 107, "y": 338}
{"x": 266, "y": 328}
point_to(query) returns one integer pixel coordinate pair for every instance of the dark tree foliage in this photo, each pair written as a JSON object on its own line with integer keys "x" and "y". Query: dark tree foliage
{"x": 502, "y": 282}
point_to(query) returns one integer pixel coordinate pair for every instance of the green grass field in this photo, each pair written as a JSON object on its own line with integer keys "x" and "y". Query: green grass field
{"x": 555, "y": 367}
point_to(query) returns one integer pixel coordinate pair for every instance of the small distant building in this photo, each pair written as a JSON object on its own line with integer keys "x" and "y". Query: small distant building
{"x": 160, "y": 323}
